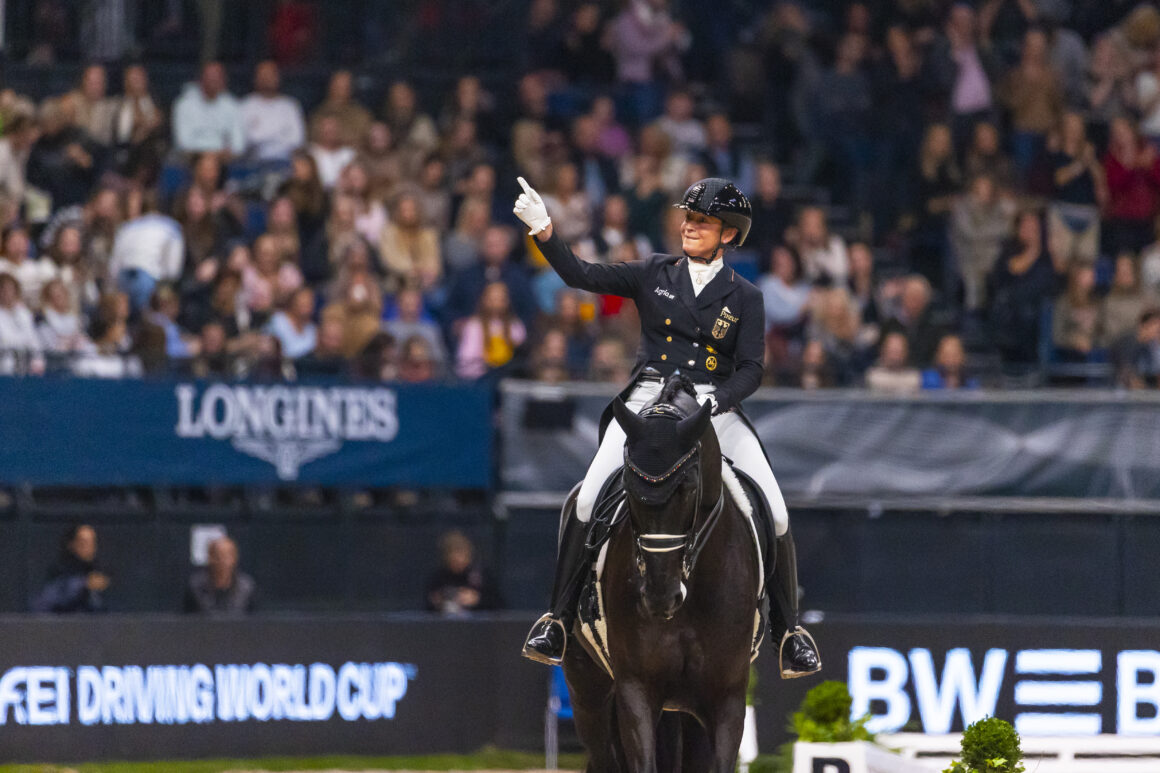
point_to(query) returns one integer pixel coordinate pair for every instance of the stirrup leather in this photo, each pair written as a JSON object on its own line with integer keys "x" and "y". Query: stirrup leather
{"x": 539, "y": 657}
{"x": 789, "y": 674}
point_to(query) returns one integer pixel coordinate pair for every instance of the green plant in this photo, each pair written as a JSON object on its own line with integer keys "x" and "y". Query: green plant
{"x": 989, "y": 746}
{"x": 824, "y": 716}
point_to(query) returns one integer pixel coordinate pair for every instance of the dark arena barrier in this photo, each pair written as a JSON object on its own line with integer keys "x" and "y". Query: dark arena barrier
{"x": 120, "y": 687}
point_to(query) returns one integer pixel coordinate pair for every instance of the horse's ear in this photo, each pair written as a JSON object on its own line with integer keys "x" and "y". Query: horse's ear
{"x": 624, "y": 415}
{"x": 689, "y": 430}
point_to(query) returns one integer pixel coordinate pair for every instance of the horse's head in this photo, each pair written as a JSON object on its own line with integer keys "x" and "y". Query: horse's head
{"x": 672, "y": 479}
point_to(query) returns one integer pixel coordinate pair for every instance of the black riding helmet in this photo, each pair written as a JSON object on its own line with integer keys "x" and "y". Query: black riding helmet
{"x": 719, "y": 198}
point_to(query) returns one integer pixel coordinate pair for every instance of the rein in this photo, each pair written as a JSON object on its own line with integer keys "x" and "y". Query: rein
{"x": 692, "y": 541}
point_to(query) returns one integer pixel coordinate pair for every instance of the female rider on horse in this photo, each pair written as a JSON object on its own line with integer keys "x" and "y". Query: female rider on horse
{"x": 696, "y": 315}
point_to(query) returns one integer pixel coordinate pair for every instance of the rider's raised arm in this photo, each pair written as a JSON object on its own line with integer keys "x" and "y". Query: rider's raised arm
{"x": 749, "y": 359}
{"x": 622, "y": 279}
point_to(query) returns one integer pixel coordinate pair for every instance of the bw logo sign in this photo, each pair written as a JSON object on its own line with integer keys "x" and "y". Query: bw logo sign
{"x": 287, "y": 426}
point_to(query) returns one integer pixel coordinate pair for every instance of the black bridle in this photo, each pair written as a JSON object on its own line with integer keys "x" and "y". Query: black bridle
{"x": 693, "y": 540}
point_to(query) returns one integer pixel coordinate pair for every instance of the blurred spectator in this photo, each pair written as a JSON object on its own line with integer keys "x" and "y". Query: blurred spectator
{"x": 597, "y": 172}
{"x": 772, "y": 214}
{"x": 949, "y": 369}
{"x": 584, "y": 58}
{"x": 354, "y": 120}
{"x": 206, "y": 117}
{"x": 494, "y": 266}
{"x": 823, "y": 254}
{"x": 212, "y": 359}
{"x": 413, "y": 130}
{"x": 1078, "y": 193}
{"x": 461, "y": 247}
{"x": 834, "y": 322}
{"x": 273, "y": 122}
{"x": 842, "y": 105}
{"x": 327, "y": 358}
{"x": 460, "y": 150}
{"x": 1132, "y": 170}
{"x": 93, "y": 108}
{"x": 645, "y": 41}
{"x": 460, "y": 585}
{"x": 939, "y": 181}
{"x": 60, "y": 327}
{"x": 358, "y": 303}
{"x": 815, "y": 367}
{"x": 469, "y": 101}
{"x": 785, "y": 291}
{"x": 19, "y": 342}
{"x": 432, "y": 195}
{"x": 221, "y": 589}
{"x": 1033, "y": 95}
{"x": 613, "y": 140}
{"x": 610, "y": 361}
{"x": 164, "y": 310}
{"x": 330, "y": 154}
{"x": 19, "y": 136}
{"x": 1110, "y": 87}
{"x": 549, "y": 362}
{"x": 568, "y": 204}
{"x": 106, "y": 357}
{"x": 269, "y": 275}
{"x": 138, "y": 140}
{"x": 686, "y": 134}
{"x": 1022, "y": 281}
{"x": 980, "y": 223}
{"x": 914, "y": 317}
{"x": 893, "y": 373}
{"x": 33, "y": 273}
{"x": 1148, "y": 96}
{"x": 723, "y": 158}
{"x": 370, "y": 214}
{"x": 293, "y": 326}
{"x": 148, "y": 249}
{"x": 985, "y": 156}
{"x": 409, "y": 321}
{"x": 1077, "y": 323}
{"x": 64, "y": 161}
{"x": 1125, "y": 301}
{"x": 305, "y": 191}
{"x": 964, "y": 69}
{"x": 1136, "y": 355}
{"x": 294, "y": 31}
{"x": 417, "y": 365}
{"x": 410, "y": 249}
{"x": 76, "y": 583}
{"x": 489, "y": 338}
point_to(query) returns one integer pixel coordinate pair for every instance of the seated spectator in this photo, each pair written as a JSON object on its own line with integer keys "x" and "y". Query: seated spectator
{"x": 489, "y": 338}
{"x": 269, "y": 276}
{"x": 938, "y": 182}
{"x": 1111, "y": 92}
{"x": 1132, "y": 169}
{"x": 461, "y": 247}
{"x": 20, "y": 133}
{"x": 138, "y": 138}
{"x": 914, "y": 317}
{"x": 432, "y": 195}
{"x": 1078, "y": 324}
{"x": 494, "y": 265}
{"x": 76, "y": 583}
{"x": 610, "y": 362}
{"x": 722, "y": 157}
{"x": 980, "y": 223}
{"x": 772, "y": 214}
{"x": 324, "y": 257}
{"x": 370, "y": 214}
{"x": 686, "y": 133}
{"x": 94, "y": 109}
{"x": 221, "y": 589}
{"x": 106, "y": 357}
{"x": 358, "y": 302}
{"x": 823, "y": 254}
{"x": 835, "y": 323}
{"x": 864, "y": 289}
{"x": 549, "y": 363}
{"x": 148, "y": 249}
{"x": 206, "y": 117}
{"x": 1023, "y": 279}
{"x": 1136, "y": 355}
{"x": 816, "y": 372}
{"x": 573, "y": 318}
{"x": 1078, "y": 192}
{"x": 60, "y": 327}
{"x": 597, "y": 173}
{"x": 409, "y": 321}
{"x": 614, "y": 230}
{"x": 74, "y": 266}
{"x": 384, "y": 161}
{"x": 1148, "y": 97}
{"x": 354, "y": 120}
{"x": 212, "y": 359}
{"x": 327, "y": 359}
{"x": 413, "y": 130}
{"x": 1125, "y": 301}
{"x": 293, "y": 326}
{"x": 785, "y": 291}
{"x": 272, "y": 122}
{"x": 613, "y": 140}
{"x": 460, "y": 150}
{"x": 1032, "y": 93}
{"x": 330, "y": 155}
{"x": 164, "y": 310}
{"x": 33, "y": 273}
{"x": 417, "y": 365}
{"x": 409, "y": 249}
{"x": 948, "y": 371}
{"x": 460, "y": 585}
{"x": 985, "y": 156}
{"x": 568, "y": 205}
{"x": 64, "y": 161}
{"x": 19, "y": 342}
{"x": 892, "y": 372}
{"x": 469, "y": 100}
{"x": 305, "y": 191}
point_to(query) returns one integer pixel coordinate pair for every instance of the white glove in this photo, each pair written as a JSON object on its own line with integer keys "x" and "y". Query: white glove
{"x": 530, "y": 208}
{"x": 707, "y": 397}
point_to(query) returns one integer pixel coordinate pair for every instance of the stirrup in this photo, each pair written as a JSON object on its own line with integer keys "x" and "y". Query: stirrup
{"x": 540, "y": 657}
{"x": 790, "y": 674}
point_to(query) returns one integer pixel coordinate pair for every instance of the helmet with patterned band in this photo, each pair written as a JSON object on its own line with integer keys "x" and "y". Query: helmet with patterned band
{"x": 719, "y": 198}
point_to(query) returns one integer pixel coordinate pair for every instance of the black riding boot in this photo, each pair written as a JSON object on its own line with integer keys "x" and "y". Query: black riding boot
{"x": 549, "y": 636}
{"x": 797, "y": 653}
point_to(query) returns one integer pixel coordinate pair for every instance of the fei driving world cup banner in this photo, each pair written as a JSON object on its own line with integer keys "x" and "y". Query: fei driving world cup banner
{"x": 88, "y": 432}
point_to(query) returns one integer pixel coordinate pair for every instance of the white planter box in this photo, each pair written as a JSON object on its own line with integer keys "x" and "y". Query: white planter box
{"x": 853, "y": 757}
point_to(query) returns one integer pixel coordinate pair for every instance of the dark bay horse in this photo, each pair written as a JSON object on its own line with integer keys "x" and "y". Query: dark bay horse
{"x": 680, "y": 587}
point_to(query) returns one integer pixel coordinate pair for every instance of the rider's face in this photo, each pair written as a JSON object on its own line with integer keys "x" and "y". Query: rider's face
{"x": 700, "y": 234}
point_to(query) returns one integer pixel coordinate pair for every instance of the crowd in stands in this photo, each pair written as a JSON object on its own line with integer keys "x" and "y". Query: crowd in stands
{"x": 945, "y": 195}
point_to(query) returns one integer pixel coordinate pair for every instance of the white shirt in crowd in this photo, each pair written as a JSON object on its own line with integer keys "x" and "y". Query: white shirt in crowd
{"x": 832, "y": 261}
{"x": 32, "y": 274}
{"x": 200, "y": 124}
{"x": 151, "y": 243}
{"x": 1148, "y": 91}
{"x": 61, "y": 332}
{"x": 274, "y": 126}
{"x": 331, "y": 163}
{"x": 702, "y": 274}
{"x": 17, "y": 334}
{"x": 13, "y": 164}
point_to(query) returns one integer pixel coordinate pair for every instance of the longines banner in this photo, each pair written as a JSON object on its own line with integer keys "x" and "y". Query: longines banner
{"x": 160, "y": 687}
{"x": 94, "y": 432}
{"x": 1041, "y": 444}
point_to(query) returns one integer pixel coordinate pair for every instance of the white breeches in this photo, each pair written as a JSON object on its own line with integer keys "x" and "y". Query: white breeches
{"x": 736, "y": 439}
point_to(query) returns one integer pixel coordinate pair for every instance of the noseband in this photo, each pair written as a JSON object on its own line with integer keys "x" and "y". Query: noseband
{"x": 693, "y": 540}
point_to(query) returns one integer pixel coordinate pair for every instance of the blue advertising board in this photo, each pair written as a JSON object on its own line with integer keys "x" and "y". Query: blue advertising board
{"x": 111, "y": 433}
